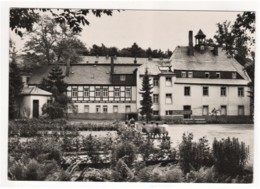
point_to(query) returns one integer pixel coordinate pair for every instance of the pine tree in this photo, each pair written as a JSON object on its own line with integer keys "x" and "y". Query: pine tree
{"x": 15, "y": 87}
{"x": 146, "y": 102}
{"x": 55, "y": 84}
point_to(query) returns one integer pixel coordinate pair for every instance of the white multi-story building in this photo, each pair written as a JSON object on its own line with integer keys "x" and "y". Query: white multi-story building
{"x": 198, "y": 81}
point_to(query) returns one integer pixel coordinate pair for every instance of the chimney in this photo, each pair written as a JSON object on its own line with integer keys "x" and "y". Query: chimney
{"x": 190, "y": 49}
{"x": 215, "y": 51}
{"x": 68, "y": 67}
{"x": 112, "y": 65}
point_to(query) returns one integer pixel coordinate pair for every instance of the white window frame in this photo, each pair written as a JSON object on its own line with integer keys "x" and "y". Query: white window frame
{"x": 168, "y": 81}
{"x": 205, "y": 110}
{"x": 97, "y": 92}
{"x": 186, "y": 87}
{"x": 241, "y": 107}
{"x": 86, "y": 92}
{"x": 223, "y": 92}
{"x": 234, "y": 75}
{"x": 223, "y": 110}
{"x": 127, "y": 109}
{"x": 207, "y": 75}
{"x": 207, "y": 91}
{"x": 115, "y": 109}
{"x": 86, "y": 107}
{"x": 156, "y": 98}
{"x": 105, "y": 109}
{"x": 218, "y": 75}
{"x": 183, "y": 74}
{"x": 240, "y": 91}
{"x": 105, "y": 92}
{"x": 155, "y": 82}
{"x": 122, "y": 77}
{"x": 156, "y": 112}
{"x": 74, "y": 92}
{"x": 128, "y": 92}
{"x": 117, "y": 92}
{"x": 98, "y": 109}
{"x": 190, "y": 74}
{"x": 168, "y": 98}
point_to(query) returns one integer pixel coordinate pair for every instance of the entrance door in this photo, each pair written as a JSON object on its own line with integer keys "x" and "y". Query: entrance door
{"x": 35, "y": 108}
{"x": 187, "y": 116}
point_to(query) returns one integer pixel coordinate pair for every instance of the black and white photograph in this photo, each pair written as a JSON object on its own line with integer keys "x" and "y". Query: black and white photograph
{"x": 131, "y": 95}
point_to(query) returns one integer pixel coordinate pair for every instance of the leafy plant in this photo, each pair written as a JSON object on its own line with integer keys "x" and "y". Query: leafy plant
{"x": 230, "y": 156}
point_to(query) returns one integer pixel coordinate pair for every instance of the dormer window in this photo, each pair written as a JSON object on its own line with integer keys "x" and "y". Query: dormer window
{"x": 183, "y": 74}
{"x": 234, "y": 75}
{"x": 122, "y": 77}
{"x": 218, "y": 75}
{"x": 190, "y": 74}
{"x": 206, "y": 74}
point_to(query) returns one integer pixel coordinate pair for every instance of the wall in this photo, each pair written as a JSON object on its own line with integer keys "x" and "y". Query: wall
{"x": 26, "y": 105}
{"x": 214, "y": 100}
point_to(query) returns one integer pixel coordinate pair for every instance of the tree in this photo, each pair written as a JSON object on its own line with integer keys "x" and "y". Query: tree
{"x": 51, "y": 43}
{"x": 15, "y": 84}
{"x": 25, "y": 18}
{"x": 238, "y": 40}
{"x": 56, "y": 85}
{"x": 146, "y": 102}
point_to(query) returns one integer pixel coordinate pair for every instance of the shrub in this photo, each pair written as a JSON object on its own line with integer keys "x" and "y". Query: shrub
{"x": 125, "y": 150}
{"x": 174, "y": 175}
{"x": 146, "y": 149}
{"x": 203, "y": 175}
{"x": 230, "y": 156}
{"x": 122, "y": 172}
{"x": 194, "y": 155}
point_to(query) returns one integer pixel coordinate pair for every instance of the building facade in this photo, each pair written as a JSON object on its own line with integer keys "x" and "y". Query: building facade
{"x": 198, "y": 82}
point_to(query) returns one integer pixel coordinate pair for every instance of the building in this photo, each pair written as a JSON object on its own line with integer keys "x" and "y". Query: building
{"x": 31, "y": 101}
{"x": 198, "y": 82}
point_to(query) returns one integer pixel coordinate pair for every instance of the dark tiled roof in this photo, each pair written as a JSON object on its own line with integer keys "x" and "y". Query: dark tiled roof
{"x": 180, "y": 60}
{"x": 200, "y": 34}
{"x": 84, "y": 74}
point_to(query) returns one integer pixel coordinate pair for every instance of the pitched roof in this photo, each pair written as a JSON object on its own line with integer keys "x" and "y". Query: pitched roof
{"x": 117, "y": 60}
{"x": 200, "y": 34}
{"x": 205, "y": 81}
{"x": 155, "y": 67}
{"x": 180, "y": 60}
{"x": 33, "y": 90}
{"x": 84, "y": 74}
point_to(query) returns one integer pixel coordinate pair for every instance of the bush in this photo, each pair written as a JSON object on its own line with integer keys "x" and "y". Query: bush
{"x": 174, "y": 175}
{"x": 146, "y": 149}
{"x": 230, "y": 156}
{"x": 125, "y": 150}
{"x": 203, "y": 175}
{"x": 194, "y": 155}
{"x": 122, "y": 172}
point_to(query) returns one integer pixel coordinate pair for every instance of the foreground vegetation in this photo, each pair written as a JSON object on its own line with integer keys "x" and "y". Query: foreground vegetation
{"x": 128, "y": 156}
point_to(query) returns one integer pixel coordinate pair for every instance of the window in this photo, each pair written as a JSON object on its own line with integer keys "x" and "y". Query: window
{"x": 98, "y": 109}
{"x": 97, "y": 92}
{"x": 116, "y": 92}
{"x": 86, "y": 108}
{"x": 241, "y": 110}
{"x": 105, "y": 92}
{"x": 234, "y": 75}
{"x": 223, "y": 110}
{"x": 183, "y": 74}
{"x": 155, "y": 112}
{"x": 205, "y": 110}
{"x": 168, "y": 81}
{"x": 127, "y": 109}
{"x": 155, "y": 98}
{"x": 74, "y": 92}
{"x": 168, "y": 112}
{"x": 218, "y": 75}
{"x": 115, "y": 109}
{"x": 76, "y": 108}
{"x": 168, "y": 98}
{"x": 86, "y": 92}
{"x": 205, "y": 91}
{"x": 240, "y": 91}
{"x": 128, "y": 92}
{"x": 155, "y": 81}
{"x": 223, "y": 91}
{"x": 190, "y": 74}
{"x": 105, "y": 109}
{"x": 206, "y": 74}
{"x": 186, "y": 91}
{"x": 122, "y": 77}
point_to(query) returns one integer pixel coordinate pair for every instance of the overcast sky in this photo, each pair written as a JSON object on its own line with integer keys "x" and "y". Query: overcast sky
{"x": 156, "y": 29}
